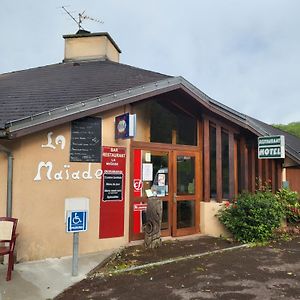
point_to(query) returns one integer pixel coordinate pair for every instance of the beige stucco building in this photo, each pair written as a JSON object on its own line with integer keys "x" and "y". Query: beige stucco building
{"x": 190, "y": 150}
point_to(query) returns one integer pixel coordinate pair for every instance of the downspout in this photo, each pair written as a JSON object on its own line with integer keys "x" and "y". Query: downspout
{"x": 9, "y": 179}
{"x": 10, "y": 159}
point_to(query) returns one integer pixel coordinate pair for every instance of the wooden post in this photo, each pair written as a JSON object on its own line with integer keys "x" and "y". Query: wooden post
{"x": 206, "y": 156}
{"x": 279, "y": 174}
{"x": 246, "y": 170}
{"x": 244, "y": 164}
{"x": 219, "y": 163}
{"x": 231, "y": 166}
{"x": 200, "y": 143}
{"x": 273, "y": 164}
{"x": 236, "y": 168}
{"x": 152, "y": 228}
{"x": 260, "y": 174}
{"x": 253, "y": 171}
{"x": 267, "y": 173}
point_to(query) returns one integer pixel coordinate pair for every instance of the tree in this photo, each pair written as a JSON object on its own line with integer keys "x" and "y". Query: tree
{"x": 292, "y": 128}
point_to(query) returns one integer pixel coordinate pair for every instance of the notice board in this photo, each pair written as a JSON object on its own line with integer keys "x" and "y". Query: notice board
{"x": 112, "y": 192}
{"x": 86, "y": 140}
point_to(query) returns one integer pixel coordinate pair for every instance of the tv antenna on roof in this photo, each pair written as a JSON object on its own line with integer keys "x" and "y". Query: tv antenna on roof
{"x": 81, "y": 17}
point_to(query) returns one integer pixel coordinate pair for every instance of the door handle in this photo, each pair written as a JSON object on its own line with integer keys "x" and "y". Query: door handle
{"x": 174, "y": 198}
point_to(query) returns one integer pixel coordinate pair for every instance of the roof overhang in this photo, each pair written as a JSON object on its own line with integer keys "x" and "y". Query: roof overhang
{"x": 47, "y": 119}
{"x": 58, "y": 116}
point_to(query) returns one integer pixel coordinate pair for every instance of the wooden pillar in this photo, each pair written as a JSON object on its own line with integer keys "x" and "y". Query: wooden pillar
{"x": 279, "y": 174}
{"x": 232, "y": 159}
{"x": 206, "y": 157}
{"x": 260, "y": 174}
{"x": 200, "y": 139}
{"x": 244, "y": 164}
{"x": 253, "y": 171}
{"x": 246, "y": 171}
{"x": 236, "y": 169}
{"x": 273, "y": 165}
{"x": 219, "y": 163}
{"x": 267, "y": 173}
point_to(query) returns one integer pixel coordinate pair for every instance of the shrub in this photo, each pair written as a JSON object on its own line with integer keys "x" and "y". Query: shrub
{"x": 253, "y": 217}
{"x": 291, "y": 204}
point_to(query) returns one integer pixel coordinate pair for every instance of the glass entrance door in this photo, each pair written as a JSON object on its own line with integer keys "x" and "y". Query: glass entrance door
{"x": 185, "y": 193}
{"x": 174, "y": 177}
{"x": 150, "y": 173}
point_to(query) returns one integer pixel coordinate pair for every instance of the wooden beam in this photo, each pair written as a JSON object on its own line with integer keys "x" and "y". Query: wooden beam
{"x": 232, "y": 162}
{"x": 219, "y": 163}
{"x": 236, "y": 169}
{"x": 260, "y": 174}
{"x": 267, "y": 172}
{"x": 200, "y": 144}
{"x": 253, "y": 171}
{"x": 206, "y": 157}
{"x": 279, "y": 174}
{"x": 246, "y": 170}
{"x": 273, "y": 165}
{"x": 244, "y": 164}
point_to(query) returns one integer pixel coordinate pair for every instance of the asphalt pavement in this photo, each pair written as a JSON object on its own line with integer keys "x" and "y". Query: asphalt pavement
{"x": 261, "y": 273}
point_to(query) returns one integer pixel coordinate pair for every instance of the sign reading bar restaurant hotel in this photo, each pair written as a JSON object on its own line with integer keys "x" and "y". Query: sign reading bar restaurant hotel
{"x": 270, "y": 147}
{"x": 112, "y": 192}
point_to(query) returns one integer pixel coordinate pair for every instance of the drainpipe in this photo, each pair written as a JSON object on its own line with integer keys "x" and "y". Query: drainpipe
{"x": 9, "y": 179}
{"x": 10, "y": 159}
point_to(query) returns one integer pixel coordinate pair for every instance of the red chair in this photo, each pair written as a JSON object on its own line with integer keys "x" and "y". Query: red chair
{"x": 8, "y": 238}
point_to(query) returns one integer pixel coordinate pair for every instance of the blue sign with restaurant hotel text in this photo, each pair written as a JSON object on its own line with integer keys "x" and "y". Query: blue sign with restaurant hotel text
{"x": 77, "y": 221}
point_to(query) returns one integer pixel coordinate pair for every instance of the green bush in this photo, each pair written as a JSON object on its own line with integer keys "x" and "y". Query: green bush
{"x": 291, "y": 205}
{"x": 253, "y": 217}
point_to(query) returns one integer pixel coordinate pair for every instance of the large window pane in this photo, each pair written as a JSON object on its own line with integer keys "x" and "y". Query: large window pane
{"x": 186, "y": 130}
{"x": 162, "y": 122}
{"x": 185, "y": 214}
{"x": 169, "y": 124}
{"x": 185, "y": 175}
{"x": 165, "y": 215}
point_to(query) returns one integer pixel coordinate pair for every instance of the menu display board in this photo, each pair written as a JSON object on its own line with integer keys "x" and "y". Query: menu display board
{"x": 86, "y": 140}
{"x": 112, "y": 187}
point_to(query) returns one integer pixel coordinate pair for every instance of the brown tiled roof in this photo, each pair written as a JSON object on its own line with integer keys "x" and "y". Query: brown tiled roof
{"x": 36, "y": 90}
{"x": 29, "y": 92}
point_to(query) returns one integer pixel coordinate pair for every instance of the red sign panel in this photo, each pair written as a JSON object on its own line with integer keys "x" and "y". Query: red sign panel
{"x": 140, "y": 207}
{"x": 137, "y": 190}
{"x": 137, "y": 181}
{"x": 112, "y": 192}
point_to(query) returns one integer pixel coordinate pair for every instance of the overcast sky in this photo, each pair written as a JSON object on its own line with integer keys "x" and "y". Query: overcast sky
{"x": 243, "y": 53}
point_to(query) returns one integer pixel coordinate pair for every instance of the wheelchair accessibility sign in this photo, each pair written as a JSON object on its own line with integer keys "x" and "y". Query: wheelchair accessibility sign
{"x": 76, "y": 221}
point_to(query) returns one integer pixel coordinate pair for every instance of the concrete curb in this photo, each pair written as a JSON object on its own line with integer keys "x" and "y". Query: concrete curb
{"x": 169, "y": 261}
{"x": 104, "y": 262}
